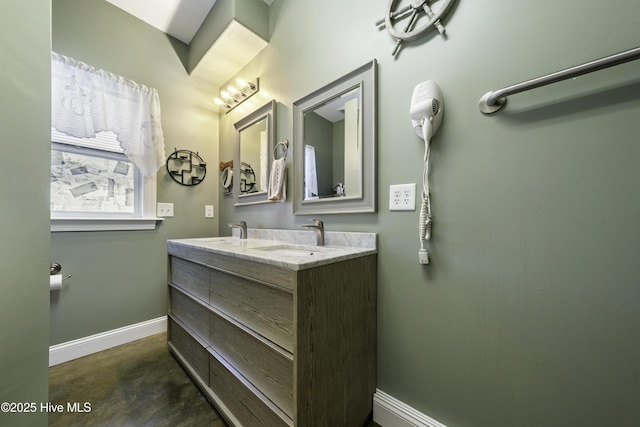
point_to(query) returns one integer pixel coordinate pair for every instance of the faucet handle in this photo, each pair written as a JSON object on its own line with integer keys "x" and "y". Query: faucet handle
{"x": 318, "y": 222}
{"x": 242, "y": 225}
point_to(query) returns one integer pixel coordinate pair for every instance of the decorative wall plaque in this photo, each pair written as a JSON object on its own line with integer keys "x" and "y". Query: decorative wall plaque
{"x": 186, "y": 167}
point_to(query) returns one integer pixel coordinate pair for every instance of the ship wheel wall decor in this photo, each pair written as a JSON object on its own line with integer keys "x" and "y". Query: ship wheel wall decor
{"x": 407, "y": 17}
{"x": 186, "y": 167}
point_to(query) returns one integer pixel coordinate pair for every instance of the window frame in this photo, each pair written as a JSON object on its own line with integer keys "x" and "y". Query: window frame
{"x": 143, "y": 217}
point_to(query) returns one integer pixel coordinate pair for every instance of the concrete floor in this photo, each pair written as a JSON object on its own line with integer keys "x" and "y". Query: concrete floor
{"x": 136, "y": 384}
{"x": 133, "y": 385}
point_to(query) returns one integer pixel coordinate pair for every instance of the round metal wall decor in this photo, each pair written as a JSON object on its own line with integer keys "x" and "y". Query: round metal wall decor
{"x": 426, "y": 14}
{"x": 186, "y": 167}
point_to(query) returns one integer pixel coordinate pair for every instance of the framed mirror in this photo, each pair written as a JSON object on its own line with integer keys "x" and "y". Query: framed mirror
{"x": 255, "y": 134}
{"x": 335, "y": 146}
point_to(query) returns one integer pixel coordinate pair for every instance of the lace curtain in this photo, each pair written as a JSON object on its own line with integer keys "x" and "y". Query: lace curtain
{"x": 86, "y": 101}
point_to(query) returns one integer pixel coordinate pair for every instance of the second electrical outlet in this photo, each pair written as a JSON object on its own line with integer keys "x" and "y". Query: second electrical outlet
{"x": 402, "y": 197}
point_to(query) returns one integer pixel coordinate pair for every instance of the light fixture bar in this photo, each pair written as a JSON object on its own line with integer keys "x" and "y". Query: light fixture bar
{"x": 235, "y": 95}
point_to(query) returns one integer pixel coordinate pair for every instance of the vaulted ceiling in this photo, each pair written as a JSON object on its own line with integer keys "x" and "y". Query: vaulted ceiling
{"x": 179, "y": 18}
{"x": 234, "y": 48}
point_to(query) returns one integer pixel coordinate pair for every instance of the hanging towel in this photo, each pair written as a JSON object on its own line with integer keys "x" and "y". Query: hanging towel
{"x": 310, "y": 175}
{"x": 278, "y": 181}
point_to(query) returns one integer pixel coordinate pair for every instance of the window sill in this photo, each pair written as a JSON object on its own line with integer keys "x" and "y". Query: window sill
{"x": 103, "y": 224}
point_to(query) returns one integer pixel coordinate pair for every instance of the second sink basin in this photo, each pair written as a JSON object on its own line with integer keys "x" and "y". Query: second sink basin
{"x": 294, "y": 250}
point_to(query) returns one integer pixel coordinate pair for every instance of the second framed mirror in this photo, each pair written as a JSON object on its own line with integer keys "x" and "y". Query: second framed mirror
{"x": 255, "y": 135}
{"x": 335, "y": 146}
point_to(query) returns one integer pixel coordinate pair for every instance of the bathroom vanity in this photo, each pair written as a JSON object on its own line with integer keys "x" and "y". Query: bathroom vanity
{"x": 276, "y": 331}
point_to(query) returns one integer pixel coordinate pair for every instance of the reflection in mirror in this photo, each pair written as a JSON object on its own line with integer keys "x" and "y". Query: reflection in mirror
{"x": 335, "y": 144}
{"x": 333, "y": 149}
{"x": 255, "y": 134}
{"x": 248, "y": 180}
{"x": 254, "y": 154}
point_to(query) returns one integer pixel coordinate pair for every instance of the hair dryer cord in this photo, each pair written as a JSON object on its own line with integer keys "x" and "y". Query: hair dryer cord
{"x": 425, "y": 221}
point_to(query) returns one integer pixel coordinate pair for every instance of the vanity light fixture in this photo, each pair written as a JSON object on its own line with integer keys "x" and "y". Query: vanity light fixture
{"x": 233, "y": 96}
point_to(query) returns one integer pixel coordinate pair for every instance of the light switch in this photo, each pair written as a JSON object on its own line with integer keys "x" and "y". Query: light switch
{"x": 164, "y": 210}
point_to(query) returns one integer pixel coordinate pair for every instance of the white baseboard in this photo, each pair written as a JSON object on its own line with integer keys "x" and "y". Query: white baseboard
{"x": 70, "y": 350}
{"x": 390, "y": 412}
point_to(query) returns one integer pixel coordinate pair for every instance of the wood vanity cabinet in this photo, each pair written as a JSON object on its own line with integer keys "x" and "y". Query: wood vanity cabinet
{"x": 271, "y": 346}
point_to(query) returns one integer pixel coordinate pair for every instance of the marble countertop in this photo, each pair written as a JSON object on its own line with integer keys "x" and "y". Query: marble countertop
{"x": 292, "y": 249}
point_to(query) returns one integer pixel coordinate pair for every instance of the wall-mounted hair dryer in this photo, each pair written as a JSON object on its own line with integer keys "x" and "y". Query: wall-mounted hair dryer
{"x": 426, "y": 115}
{"x": 426, "y": 109}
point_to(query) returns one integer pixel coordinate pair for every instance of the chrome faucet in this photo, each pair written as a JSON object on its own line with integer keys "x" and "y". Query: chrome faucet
{"x": 318, "y": 227}
{"x": 242, "y": 225}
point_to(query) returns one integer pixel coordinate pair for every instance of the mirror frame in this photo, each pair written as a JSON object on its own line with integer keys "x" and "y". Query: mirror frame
{"x": 267, "y": 111}
{"x": 366, "y": 79}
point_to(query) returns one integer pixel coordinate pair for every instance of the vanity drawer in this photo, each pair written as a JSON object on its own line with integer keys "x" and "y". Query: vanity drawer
{"x": 194, "y": 315}
{"x": 265, "y": 365}
{"x": 192, "y": 277}
{"x": 247, "y": 405}
{"x": 190, "y": 349}
{"x": 266, "y": 309}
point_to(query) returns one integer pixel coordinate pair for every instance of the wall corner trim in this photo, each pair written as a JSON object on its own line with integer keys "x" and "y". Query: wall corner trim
{"x": 75, "y": 349}
{"x": 391, "y": 412}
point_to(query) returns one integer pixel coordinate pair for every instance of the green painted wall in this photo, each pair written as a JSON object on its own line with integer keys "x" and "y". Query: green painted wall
{"x": 119, "y": 278}
{"x": 528, "y": 315}
{"x": 25, "y": 116}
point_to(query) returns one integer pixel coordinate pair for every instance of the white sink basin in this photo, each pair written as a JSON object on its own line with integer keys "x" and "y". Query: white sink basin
{"x": 222, "y": 241}
{"x": 295, "y": 250}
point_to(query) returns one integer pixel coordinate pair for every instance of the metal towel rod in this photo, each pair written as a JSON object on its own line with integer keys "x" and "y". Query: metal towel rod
{"x": 494, "y": 101}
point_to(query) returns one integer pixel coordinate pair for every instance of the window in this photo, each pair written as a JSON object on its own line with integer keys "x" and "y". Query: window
{"x": 91, "y": 181}
{"x": 106, "y": 148}
{"x": 94, "y": 186}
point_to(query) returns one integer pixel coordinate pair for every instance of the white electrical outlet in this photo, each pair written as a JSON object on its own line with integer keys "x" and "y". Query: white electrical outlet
{"x": 164, "y": 210}
{"x": 402, "y": 197}
{"x": 208, "y": 211}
